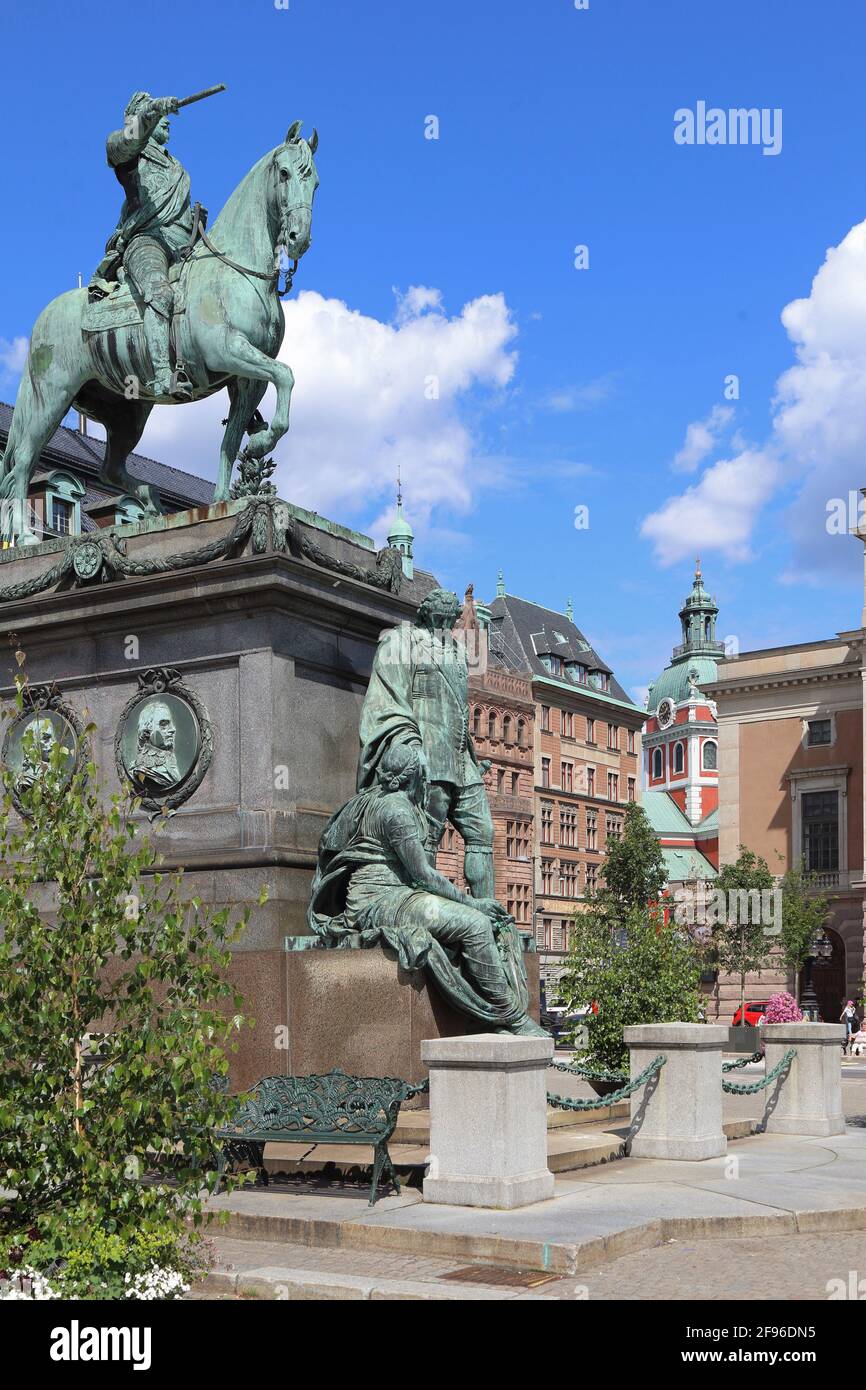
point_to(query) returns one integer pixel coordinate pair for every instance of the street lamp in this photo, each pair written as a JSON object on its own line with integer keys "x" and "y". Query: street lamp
{"x": 820, "y": 948}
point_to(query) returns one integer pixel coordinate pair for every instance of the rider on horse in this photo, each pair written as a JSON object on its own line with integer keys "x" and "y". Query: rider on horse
{"x": 156, "y": 225}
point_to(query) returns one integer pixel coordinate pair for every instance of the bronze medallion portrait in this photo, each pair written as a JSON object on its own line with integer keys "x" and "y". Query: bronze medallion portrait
{"x": 164, "y": 741}
{"x": 31, "y": 737}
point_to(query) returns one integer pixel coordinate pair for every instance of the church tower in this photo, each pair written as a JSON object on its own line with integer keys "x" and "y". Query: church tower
{"x": 680, "y": 736}
{"x": 401, "y": 535}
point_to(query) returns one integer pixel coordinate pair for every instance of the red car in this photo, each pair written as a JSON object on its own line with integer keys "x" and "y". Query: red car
{"x": 754, "y": 1013}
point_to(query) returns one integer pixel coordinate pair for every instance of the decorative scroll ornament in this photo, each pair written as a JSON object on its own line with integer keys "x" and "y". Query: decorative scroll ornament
{"x": 164, "y": 741}
{"x": 105, "y": 557}
{"x": 51, "y": 721}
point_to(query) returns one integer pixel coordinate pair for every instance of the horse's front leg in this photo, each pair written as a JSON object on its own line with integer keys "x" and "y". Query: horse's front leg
{"x": 244, "y": 397}
{"x": 238, "y": 356}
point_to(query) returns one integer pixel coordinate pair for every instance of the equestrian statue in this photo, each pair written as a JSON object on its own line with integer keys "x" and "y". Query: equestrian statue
{"x": 174, "y": 312}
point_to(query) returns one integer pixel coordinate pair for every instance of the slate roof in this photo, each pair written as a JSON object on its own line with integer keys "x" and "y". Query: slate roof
{"x": 83, "y": 455}
{"x": 522, "y": 632}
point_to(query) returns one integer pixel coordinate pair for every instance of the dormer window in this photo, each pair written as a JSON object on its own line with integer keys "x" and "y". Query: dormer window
{"x": 63, "y": 494}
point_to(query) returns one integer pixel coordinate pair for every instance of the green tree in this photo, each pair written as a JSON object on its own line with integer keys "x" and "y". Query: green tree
{"x": 643, "y": 971}
{"x": 741, "y": 942}
{"x": 634, "y": 867}
{"x": 623, "y": 956}
{"x": 805, "y": 910}
{"x": 115, "y": 1016}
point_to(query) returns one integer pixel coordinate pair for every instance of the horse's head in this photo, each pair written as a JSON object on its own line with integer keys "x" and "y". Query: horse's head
{"x": 295, "y": 184}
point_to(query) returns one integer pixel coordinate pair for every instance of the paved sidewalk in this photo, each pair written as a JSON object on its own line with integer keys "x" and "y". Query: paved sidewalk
{"x": 766, "y": 1185}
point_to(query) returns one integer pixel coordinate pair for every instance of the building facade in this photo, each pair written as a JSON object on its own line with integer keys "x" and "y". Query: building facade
{"x": 586, "y": 760}
{"x": 502, "y": 719}
{"x": 791, "y": 783}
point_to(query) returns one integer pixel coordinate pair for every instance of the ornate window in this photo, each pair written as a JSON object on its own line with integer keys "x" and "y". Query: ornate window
{"x": 491, "y": 724}
{"x": 506, "y": 728}
{"x": 128, "y": 511}
{"x": 657, "y": 762}
{"x": 710, "y": 755}
{"x": 476, "y": 721}
{"x": 679, "y": 757}
{"x": 63, "y": 494}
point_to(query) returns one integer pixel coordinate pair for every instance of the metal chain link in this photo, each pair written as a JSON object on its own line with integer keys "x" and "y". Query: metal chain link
{"x": 743, "y": 1062}
{"x": 566, "y": 1103}
{"x": 747, "y": 1088}
{"x": 591, "y": 1073}
{"x": 420, "y": 1090}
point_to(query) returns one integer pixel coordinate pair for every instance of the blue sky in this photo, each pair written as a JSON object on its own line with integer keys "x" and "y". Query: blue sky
{"x": 561, "y": 387}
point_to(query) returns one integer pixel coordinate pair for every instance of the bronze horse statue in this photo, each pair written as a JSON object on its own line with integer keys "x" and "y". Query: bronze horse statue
{"x": 228, "y": 327}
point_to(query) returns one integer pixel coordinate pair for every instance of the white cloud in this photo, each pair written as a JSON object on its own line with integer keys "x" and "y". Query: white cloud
{"x": 362, "y": 405}
{"x": 583, "y": 397}
{"x": 817, "y": 447}
{"x": 718, "y": 513}
{"x": 701, "y": 435}
{"x": 13, "y": 355}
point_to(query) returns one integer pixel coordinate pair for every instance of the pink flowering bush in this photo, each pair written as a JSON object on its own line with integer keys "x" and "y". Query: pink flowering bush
{"x": 782, "y": 1008}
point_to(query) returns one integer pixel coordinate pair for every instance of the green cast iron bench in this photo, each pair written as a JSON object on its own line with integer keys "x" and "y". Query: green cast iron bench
{"x": 331, "y": 1109}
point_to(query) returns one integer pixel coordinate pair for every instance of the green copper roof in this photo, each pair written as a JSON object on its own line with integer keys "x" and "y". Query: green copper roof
{"x": 664, "y": 815}
{"x": 685, "y": 864}
{"x": 674, "y": 679}
{"x": 400, "y": 526}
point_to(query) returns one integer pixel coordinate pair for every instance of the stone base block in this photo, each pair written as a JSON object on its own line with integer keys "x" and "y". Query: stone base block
{"x": 488, "y": 1120}
{"x": 808, "y": 1098}
{"x": 353, "y": 1009}
{"x": 714, "y": 1146}
{"x": 478, "y": 1191}
{"x": 821, "y": 1126}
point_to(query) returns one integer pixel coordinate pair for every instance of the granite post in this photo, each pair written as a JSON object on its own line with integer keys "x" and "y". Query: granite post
{"x": 488, "y": 1120}
{"x": 808, "y": 1098}
{"x": 678, "y": 1113}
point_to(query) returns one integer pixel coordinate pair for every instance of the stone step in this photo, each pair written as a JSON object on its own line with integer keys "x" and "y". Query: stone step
{"x": 413, "y": 1126}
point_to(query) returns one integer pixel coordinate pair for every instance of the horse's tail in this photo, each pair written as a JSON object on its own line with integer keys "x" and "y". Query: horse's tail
{"x": 47, "y": 386}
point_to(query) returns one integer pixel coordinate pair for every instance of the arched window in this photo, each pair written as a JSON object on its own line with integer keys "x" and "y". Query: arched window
{"x": 128, "y": 510}
{"x": 521, "y": 732}
{"x": 491, "y": 724}
{"x": 679, "y": 757}
{"x": 710, "y": 755}
{"x": 657, "y": 762}
{"x": 506, "y": 728}
{"x": 476, "y": 721}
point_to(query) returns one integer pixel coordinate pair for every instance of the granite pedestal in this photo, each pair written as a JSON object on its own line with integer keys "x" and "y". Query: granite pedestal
{"x": 488, "y": 1120}
{"x": 678, "y": 1113}
{"x": 808, "y": 1098}
{"x": 276, "y": 641}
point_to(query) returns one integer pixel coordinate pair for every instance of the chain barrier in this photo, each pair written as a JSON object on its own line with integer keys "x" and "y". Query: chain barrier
{"x": 746, "y": 1088}
{"x": 743, "y": 1062}
{"x": 591, "y": 1073}
{"x": 420, "y": 1090}
{"x": 566, "y": 1103}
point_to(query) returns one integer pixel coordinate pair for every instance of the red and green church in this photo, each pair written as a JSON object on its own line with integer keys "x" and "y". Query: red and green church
{"x": 681, "y": 749}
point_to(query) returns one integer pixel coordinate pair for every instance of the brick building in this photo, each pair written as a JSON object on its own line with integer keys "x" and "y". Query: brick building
{"x": 502, "y": 720}
{"x": 586, "y": 760}
{"x": 564, "y": 743}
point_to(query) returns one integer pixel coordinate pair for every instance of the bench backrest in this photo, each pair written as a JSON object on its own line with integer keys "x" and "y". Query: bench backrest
{"x": 334, "y": 1103}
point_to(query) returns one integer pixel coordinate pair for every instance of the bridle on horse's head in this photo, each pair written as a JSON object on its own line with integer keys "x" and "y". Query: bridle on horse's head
{"x": 304, "y": 170}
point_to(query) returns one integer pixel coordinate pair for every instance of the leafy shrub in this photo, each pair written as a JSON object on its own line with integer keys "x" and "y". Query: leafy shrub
{"x": 115, "y": 1018}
